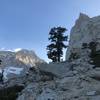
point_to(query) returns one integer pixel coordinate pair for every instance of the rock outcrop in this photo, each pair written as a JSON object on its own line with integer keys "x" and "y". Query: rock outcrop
{"x": 57, "y": 69}
{"x": 85, "y": 31}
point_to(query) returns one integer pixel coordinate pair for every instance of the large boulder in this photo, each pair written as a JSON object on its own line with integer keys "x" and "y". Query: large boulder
{"x": 56, "y": 69}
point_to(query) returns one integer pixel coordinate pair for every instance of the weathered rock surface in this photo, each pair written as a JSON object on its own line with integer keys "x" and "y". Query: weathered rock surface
{"x": 85, "y": 30}
{"x": 57, "y": 69}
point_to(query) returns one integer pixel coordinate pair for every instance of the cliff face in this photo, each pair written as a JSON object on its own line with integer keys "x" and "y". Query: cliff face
{"x": 28, "y": 57}
{"x": 85, "y": 30}
{"x": 19, "y": 59}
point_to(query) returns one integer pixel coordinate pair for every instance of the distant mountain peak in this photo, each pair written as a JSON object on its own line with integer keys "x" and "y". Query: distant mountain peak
{"x": 22, "y": 57}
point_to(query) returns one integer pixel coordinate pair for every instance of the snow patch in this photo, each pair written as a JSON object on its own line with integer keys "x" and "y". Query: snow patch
{"x": 17, "y": 49}
{"x": 11, "y": 70}
{"x": 12, "y": 50}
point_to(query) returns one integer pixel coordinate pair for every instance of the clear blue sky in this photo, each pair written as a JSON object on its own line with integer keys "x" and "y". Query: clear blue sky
{"x": 26, "y": 23}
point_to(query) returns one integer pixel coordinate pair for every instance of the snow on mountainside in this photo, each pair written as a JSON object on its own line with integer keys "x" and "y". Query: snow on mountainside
{"x": 11, "y": 70}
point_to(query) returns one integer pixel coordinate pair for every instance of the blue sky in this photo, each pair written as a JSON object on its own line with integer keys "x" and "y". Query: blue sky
{"x": 26, "y": 23}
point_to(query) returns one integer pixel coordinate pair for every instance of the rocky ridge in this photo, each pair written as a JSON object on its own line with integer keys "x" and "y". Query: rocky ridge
{"x": 84, "y": 31}
{"x": 21, "y": 58}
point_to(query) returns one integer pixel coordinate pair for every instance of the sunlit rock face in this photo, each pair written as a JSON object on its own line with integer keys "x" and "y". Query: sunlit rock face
{"x": 8, "y": 58}
{"x": 85, "y": 30}
{"x": 28, "y": 57}
{"x": 21, "y": 58}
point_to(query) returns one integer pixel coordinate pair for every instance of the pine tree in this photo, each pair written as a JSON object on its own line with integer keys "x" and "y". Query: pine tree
{"x": 57, "y": 38}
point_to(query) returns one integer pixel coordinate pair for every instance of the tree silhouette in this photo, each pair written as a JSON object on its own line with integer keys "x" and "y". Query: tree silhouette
{"x": 57, "y": 38}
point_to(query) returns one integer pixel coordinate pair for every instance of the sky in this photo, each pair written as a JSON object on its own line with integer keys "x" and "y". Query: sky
{"x": 26, "y": 23}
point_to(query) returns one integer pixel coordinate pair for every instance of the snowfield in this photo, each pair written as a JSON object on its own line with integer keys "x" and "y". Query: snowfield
{"x": 11, "y": 70}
